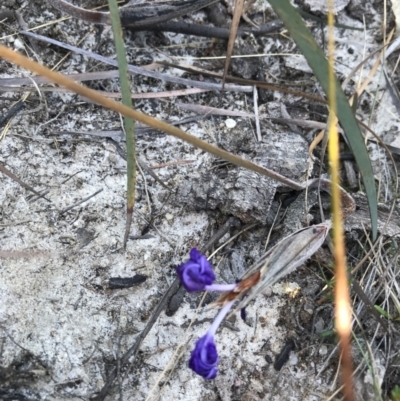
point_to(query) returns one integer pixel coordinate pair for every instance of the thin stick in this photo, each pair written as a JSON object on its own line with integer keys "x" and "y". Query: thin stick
{"x": 141, "y": 71}
{"x": 17, "y": 107}
{"x": 80, "y": 202}
{"x": 8, "y": 173}
{"x": 256, "y": 116}
{"x": 232, "y": 36}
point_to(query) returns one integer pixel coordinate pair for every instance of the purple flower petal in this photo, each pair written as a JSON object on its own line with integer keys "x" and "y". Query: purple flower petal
{"x": 196, "y": 273}
{"x": 204, "y": 358}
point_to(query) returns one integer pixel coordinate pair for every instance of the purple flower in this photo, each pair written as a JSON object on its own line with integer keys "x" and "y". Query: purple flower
{"x": 197, "y": 274}
{"x": 204, "y": 358}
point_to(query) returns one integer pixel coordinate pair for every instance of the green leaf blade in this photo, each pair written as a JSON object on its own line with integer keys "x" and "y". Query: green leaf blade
{"x": 318, "y": 63}
{"x": 128, "y": 122}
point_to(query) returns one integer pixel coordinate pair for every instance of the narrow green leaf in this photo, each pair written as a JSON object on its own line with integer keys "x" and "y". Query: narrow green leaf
{"x": 327, "y": 333}
{"x": 383, "y": 312}
{"x": 355, "y": 103}
{"x": 395, "y": 393}
{"x": 128, "y": 122}
{"x": 318, "y": 63}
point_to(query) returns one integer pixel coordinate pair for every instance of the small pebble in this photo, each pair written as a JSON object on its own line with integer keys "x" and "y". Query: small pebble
{"x": 230, "y": 123}
{"x": 18, "y": 44}
{"x": 323, "y": 350}
{"x": 319, "y": 325}
{"x": 293, "y": 360}
{"x": 309, "y": 309}
{"x": 267, "y": 292}
{"x": 169, "y": 216}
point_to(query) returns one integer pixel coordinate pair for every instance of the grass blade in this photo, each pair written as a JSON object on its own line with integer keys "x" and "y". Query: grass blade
{"x": 316, "y": 59}
{"x": 232, "y": 36}
{"x": 342, "y": 296}
{"x": 128, "y": 122}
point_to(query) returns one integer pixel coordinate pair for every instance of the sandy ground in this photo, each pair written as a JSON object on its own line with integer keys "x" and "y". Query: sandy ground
{"x": 62, "y": 328}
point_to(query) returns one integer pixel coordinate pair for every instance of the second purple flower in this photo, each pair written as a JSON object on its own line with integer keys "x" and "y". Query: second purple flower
{"x": 196, "y": 273}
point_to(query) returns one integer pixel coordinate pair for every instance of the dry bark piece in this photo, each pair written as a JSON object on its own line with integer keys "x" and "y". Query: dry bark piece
{"x": 136, "y": 15}
{"x": 239, "y": 192}
{"x": 283, "y": 356}
{"x": 244, "y": 67}
{"x": 360, "y": 219}
{"x": 115, "y": 283}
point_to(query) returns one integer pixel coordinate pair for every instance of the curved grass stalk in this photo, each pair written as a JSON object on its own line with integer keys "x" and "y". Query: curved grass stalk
{"x": 342, "y": 296}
